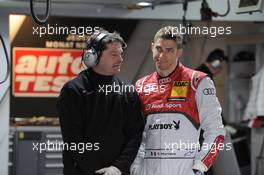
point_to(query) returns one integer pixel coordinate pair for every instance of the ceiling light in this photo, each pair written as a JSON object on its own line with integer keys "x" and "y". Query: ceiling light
{"x": 144, "y": 4}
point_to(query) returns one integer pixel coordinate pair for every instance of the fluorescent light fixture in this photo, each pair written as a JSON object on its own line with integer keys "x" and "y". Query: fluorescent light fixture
{"x": 248, "y": 6}
{"x": 144, "y": 4}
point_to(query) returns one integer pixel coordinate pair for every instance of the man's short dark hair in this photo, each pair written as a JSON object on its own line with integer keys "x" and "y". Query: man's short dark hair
{"x": 111, "y": 37}
{"x": 216, "y": 54}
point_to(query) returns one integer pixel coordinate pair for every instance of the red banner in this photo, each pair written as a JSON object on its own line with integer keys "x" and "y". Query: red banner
{"x": 41, "y": 72}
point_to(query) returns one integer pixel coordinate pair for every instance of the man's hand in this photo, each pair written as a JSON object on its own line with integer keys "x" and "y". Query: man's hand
{"x": 136, "y": 169}
{"x": 137, "y": 165}
{"x": 109, "y": 171}
{"x": 197, "y": 172}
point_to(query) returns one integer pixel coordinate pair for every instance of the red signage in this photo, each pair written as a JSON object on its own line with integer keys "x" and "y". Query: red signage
{"x": 41, "y": 72}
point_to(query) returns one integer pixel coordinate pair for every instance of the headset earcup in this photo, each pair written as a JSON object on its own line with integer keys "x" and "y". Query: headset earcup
{"x": 90, "y": 58}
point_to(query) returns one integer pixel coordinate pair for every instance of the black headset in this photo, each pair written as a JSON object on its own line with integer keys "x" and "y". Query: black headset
{"x": 91, "y": 54}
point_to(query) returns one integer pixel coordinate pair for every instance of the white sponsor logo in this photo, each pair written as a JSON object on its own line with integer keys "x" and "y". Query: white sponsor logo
{"x": 162, "y": 105}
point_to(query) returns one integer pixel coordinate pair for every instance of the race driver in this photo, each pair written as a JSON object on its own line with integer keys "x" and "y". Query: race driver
{"x": 177, "y": 102}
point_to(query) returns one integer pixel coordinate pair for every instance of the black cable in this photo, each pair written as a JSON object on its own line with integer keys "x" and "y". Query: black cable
{"x": 184, "y": 22}
{"x": 7, "y": 61}
{"x": 207, "y": 13}
{"x": 35, "y": 17}
{"x": 227, "y": 11}
{"x": 208, "y": 24}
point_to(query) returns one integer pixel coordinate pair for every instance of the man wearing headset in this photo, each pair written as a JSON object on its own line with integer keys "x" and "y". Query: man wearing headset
{"x": 214, "y": 63}
{"x": 177, "y": 104}
{"x": 107, "y": 125}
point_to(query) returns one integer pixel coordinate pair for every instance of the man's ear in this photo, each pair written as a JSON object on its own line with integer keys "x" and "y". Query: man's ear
{"x": 179, "y": 53}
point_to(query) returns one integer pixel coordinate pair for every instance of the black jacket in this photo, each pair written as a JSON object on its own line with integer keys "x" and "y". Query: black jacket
{"x": 205, "y": 69}
{"x": 111, "y": 125}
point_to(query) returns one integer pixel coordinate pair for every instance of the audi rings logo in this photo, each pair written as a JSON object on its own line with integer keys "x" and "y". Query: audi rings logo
{"x": 165, "y": 80}
{"x": 209, "y": 91}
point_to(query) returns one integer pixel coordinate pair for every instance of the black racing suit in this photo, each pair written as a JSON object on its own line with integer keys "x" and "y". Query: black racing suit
{"x": 113, "y": 123}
